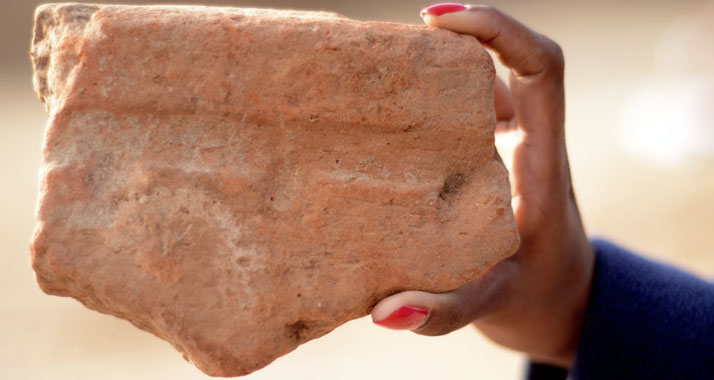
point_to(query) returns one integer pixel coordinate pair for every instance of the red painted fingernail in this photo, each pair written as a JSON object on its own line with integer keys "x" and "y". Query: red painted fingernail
{"x": 440, "y": 9}
{"x": 405, "y": 318}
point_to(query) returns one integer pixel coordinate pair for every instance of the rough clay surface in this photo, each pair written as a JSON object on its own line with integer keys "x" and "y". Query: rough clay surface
{"x": 240, "y": 181}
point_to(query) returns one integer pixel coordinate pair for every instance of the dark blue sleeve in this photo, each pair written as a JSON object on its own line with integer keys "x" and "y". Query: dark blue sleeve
{"x": 645, "y": 320}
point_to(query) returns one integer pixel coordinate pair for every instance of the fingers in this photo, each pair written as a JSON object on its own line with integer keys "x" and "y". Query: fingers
{"x": 502, "y": 101}
{"x": 526, "y": 52}
{"x": 438, "y": 314}
{"x": 421, "y": 312}
{"x": 503, "y": 106}
{"x": 538, "y": 98}
{"x": 535, "y": 61}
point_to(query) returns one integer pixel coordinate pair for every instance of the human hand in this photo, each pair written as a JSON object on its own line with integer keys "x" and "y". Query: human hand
{"x": 535, "y": 300}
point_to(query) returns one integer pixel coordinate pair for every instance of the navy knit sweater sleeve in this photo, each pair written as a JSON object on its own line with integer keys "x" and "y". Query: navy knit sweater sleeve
{"x": 645, "y": 320}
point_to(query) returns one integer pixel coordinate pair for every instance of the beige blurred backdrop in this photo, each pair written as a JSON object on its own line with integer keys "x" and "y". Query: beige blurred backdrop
{"x": 640, "y": 96}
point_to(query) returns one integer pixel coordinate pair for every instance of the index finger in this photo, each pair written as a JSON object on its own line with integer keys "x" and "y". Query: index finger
{"x": 519, "y": 48}
{"x": 536, "y": 88}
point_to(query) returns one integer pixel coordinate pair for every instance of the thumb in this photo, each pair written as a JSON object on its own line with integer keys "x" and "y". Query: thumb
{"x": 426, "y": 313}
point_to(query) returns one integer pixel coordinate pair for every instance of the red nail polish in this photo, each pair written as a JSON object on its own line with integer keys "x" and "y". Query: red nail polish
{"x": 440, "y": 9}
{"x": 405, "y": 318}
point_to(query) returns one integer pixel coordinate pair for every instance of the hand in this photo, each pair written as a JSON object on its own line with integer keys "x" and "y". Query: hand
{"x": 535, "y": 300}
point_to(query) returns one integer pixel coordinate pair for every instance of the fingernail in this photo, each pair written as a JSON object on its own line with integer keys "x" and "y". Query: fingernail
{"x": 440, "y": 9}
{"x": 405, "y": 318}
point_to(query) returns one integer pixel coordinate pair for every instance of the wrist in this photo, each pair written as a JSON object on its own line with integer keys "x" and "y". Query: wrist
{"x": 577, "y": 280}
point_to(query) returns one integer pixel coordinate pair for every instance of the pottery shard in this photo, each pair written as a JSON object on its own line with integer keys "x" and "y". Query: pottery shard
{"x": 240, "y": 181}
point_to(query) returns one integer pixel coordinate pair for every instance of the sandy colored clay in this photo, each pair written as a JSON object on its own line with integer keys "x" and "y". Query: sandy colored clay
{"x": 240, "y": 181}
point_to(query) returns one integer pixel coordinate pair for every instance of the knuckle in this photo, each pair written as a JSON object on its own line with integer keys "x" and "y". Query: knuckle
{"x": 545, "y": 58}
{"x": 441, "y": 323}
{"x": 558, "y": 59}
{"x": 555, "y": 57}
{"x": 487, "y": 10}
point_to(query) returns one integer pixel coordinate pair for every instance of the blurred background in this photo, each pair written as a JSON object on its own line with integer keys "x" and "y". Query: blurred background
{"x": 640, "y": 97}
